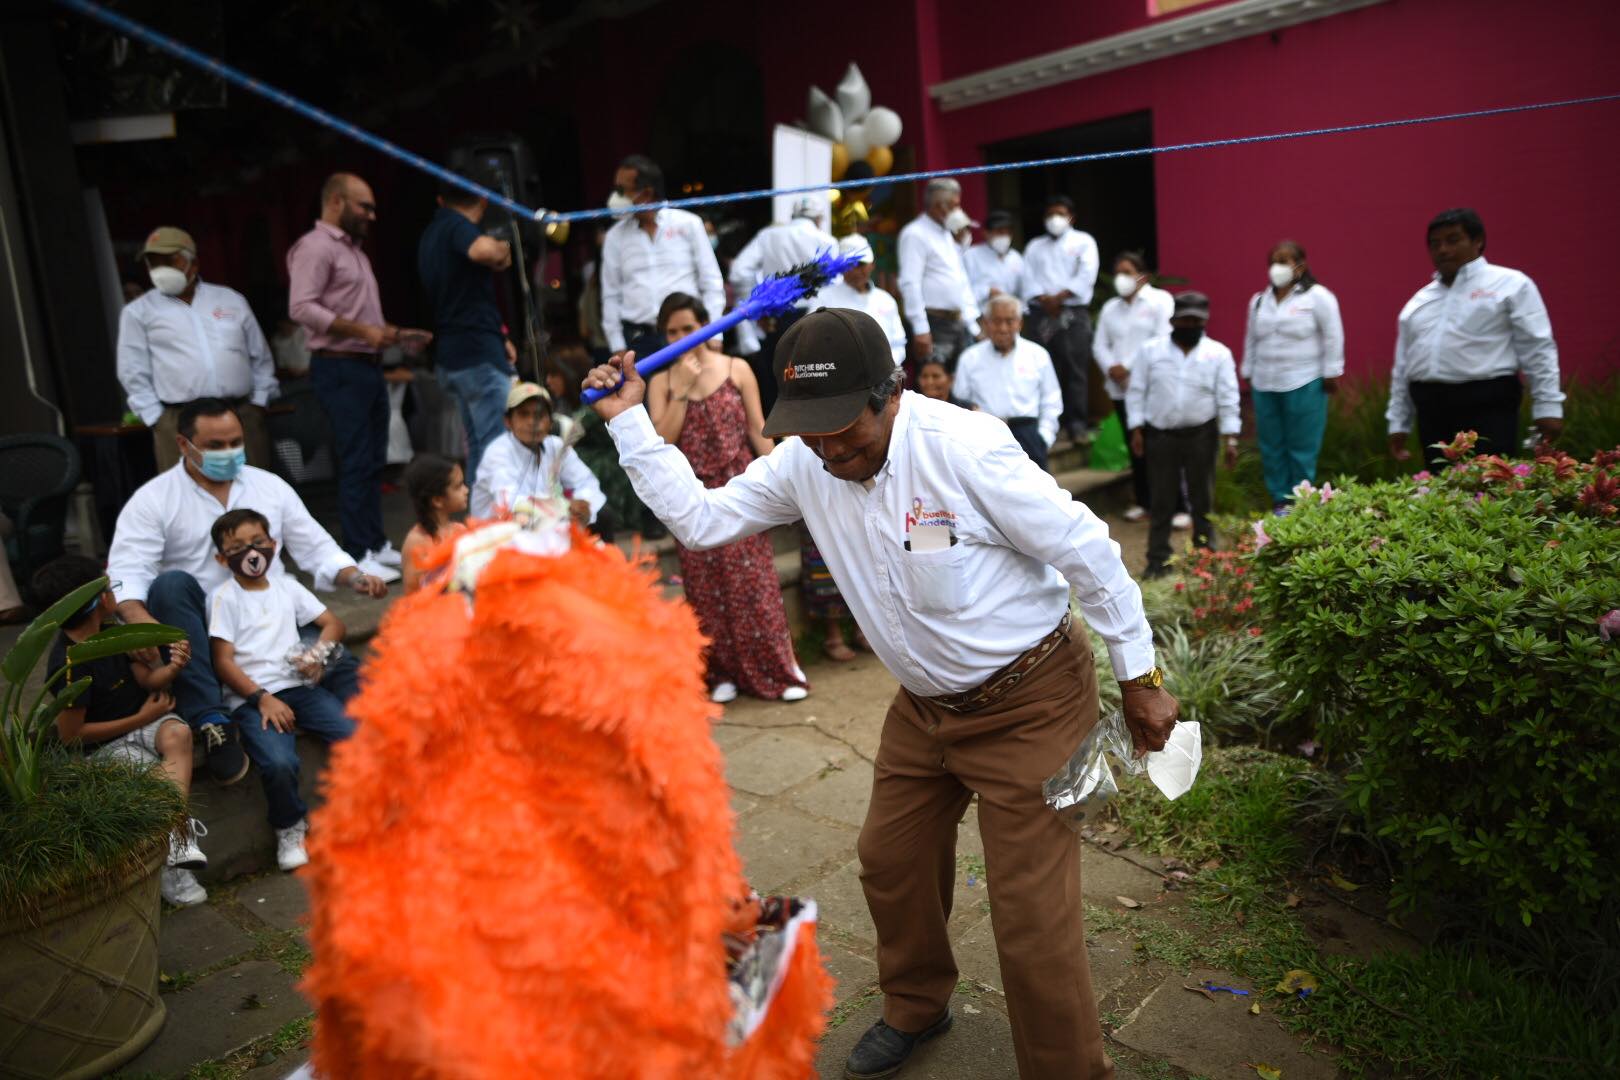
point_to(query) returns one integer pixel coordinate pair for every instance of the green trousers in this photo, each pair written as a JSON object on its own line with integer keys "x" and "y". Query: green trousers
{"x": 1290, "y": 426}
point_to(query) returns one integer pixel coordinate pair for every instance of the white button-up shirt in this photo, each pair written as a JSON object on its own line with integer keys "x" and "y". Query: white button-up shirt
{"x": 1172, "y": 389}
{"x": 776, "y": 249}
{"x": 1010, "y": 385}
{"x": 875, "y": 302}
{"x": 987, "y": 270}
{"x": 1055, "y": 263}
{"x": 173, "y": 352}
{"x": 1292, "y": 343}
{"x": 1124, "y": 326}
{"x": 510, "y": 470}
{"x": 932, "y": 276}
{"x": 638, "y": 271}
{"x": 1488, "y": 323}
{"x": 1010, "y": 542}
{"x": 166, "y": 525}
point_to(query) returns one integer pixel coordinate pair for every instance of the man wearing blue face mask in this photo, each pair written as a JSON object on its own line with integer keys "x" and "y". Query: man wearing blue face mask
{"x": 162, "y": 563}
{"x": 185, "y": 339}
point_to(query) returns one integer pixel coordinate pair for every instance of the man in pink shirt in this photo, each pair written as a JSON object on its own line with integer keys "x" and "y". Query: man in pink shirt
{"x": 333, "y": 295}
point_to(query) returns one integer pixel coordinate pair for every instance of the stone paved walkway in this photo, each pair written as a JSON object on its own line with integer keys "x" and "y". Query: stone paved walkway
{"x": 800, "y": 776}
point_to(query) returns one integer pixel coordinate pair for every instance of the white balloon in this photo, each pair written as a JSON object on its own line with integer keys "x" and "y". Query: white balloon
{"x": 854, "y": 96}
{"x": 882, "y": 126}
{"x": 824, "y": 115}
{"x": 855, "y": 141}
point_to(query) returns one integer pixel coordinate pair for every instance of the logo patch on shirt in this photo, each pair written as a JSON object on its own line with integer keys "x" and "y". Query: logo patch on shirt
{"x": 1482, "y": 294}
{"x": 929, "y": 530}
{"x": 223, "y": 313}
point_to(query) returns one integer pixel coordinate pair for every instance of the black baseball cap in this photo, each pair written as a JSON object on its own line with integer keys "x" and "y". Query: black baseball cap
{"x": 1195, "y": 304}
{"x": 826, "y": 366}
{"x": 998, "y": 219}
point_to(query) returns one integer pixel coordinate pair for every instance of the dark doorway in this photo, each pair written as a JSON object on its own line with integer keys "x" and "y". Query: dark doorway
{"x": 1113, "y": 199}
{"x": 708, "y": 129}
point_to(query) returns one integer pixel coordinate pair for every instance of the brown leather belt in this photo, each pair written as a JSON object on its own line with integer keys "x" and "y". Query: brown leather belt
{"x": 1001, "y": 683}
{"x": 944, "y": 313}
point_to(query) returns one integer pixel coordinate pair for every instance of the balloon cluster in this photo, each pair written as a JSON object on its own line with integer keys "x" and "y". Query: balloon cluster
{"x": 859, "y": 131}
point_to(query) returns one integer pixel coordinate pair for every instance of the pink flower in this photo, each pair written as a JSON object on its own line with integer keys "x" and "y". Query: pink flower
{"x": 1309, "y": 747}
{"x": 1375, "y": 543}
{"x": 1327, "y": 493}
{"x": 1254, "y": 631}
{"x": 1260, "y": 537}
{"x": 1609, "y": 625}
{"x": 1523, "y": 469}
{"x": 1422, "y": 475}
{"x": 1302, "y": 489}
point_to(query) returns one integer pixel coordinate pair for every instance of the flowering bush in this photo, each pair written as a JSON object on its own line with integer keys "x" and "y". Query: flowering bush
{"x": 1218, "y": 591}
{"x": 1447, "y": 630}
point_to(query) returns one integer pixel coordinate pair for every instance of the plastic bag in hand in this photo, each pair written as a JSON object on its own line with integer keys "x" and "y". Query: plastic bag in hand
{"x": 1086, "y": 784}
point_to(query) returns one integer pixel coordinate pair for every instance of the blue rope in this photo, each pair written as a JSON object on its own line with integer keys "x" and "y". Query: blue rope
{"x": 181, "y": 51}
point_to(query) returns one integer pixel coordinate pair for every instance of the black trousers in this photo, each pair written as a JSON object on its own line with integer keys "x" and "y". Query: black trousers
{"x": 1139, "y": 471}
{"x": 1174, "y": 453}
{"x": 1027, "y": 430}
{"x": 950, "y": 336}
{"x": 1068, "y": 339}
{"x": 1487, "y": 406}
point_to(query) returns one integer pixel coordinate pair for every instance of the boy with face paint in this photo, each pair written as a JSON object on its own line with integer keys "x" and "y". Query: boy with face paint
{"x": 253, "y": 626}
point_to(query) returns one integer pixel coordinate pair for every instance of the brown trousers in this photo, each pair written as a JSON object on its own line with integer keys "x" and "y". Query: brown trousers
{"x": 930, "y": 762}
{"x": 255, "y": 432}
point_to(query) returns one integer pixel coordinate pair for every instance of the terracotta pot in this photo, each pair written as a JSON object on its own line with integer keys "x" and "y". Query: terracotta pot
{"x": 79, "y": 991}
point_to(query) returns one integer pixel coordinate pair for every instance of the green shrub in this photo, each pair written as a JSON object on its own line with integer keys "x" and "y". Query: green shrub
{"x": 1447, "y": 630}
{"x": 1225, "y": 683}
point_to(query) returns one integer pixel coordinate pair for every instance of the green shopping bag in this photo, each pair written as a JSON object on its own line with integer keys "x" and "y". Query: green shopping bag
{"x": 1108, "y": 451}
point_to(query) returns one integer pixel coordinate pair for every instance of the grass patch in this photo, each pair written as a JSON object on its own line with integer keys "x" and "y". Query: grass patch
{"x": 1443, "y": 1012}
{"x": 97, "y": 822}
{"x": 291, "y": 1036}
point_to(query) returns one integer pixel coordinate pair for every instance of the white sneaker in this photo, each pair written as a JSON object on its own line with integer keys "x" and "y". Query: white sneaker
{"x": 290, "y": 853}
{"x": 1135, "y": 513}
{"x": 388, "y": 556}
{"x": 1181, "y": 521}
{"x": 794, "y": 693}
{"x": 723, "y": 693}
{"x": 180, "y": 888}
{"x": 183, "y": 849}
{"x": 377, "y": 569}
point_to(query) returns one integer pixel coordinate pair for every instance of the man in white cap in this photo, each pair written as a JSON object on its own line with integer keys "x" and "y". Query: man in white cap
{"x": 520, "y": 462}
{"x": 184, "y": 340}
{"x": 776, "y": 249}
{"x": 856, "y": 292}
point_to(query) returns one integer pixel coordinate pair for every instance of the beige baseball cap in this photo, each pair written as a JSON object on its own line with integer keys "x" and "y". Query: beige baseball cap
{"x": 166, "y": 240}
{"x": 523, "y": 391}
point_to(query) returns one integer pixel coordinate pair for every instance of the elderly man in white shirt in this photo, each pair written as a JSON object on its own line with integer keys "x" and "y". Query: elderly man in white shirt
{"x": 1461, "y": 344}
{"x": 1183, "y": 398}
{"x": 185, "y": 339}
{"x": 855, "y": 291}
{"x": 956, "y": 556}
{"x": 1060, "y": 276}
{"x": 520, "y": 463}
{"x": 161, "y": 560}
{"x": 1011, "y": 378}
{"x": 934, "y": 286}
{"x": 1135, "y": 315}
{"x": 993, "y": 267}
{"x": 649, "y": 254}
{"x": 776, "y": 249}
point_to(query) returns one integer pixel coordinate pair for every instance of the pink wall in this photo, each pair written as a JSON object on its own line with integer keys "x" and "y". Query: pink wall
{"x": 1544, "y": 183}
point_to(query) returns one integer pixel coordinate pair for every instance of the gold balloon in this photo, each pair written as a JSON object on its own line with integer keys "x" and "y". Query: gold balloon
{"x": 557, "y": 232}
{"x": 881, "y": 158}
{"x": 840, "y": 160}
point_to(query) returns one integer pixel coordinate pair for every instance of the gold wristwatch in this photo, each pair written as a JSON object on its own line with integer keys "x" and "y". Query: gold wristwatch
{"x": 1152, "y": 679}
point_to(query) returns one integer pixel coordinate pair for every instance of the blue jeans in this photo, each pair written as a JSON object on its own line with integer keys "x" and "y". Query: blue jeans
{"x": 318, "y": 711}
{"x": 480, "y": 392}
{"x": 176, "y": 599}
{"x": 355, "y": 398}
{"x": 1289, "y": 425}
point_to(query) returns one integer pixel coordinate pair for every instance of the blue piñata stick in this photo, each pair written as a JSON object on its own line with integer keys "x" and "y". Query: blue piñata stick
{"x": 773, "y": 296}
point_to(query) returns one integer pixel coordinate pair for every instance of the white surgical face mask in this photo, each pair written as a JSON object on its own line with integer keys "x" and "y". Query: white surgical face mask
{"x": 167, "y": 280}
{"x": 1000, "y": 244}
{"x": 1125, "y": 284}
{"x": 1281, "y": 274}
{"x": 957, "y": 220}
{"x": 620, "y": 203}
{"x": 1057, "y": 225}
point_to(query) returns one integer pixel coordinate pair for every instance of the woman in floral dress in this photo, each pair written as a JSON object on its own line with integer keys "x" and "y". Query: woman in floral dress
{"x": 707, "y": 404}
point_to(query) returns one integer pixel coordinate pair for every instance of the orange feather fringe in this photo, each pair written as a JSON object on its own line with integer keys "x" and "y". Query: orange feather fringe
{"x": 524, "y": 863}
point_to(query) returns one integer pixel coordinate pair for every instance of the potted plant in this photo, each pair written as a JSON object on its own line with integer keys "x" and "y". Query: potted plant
{"x": 81, "y": 842}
